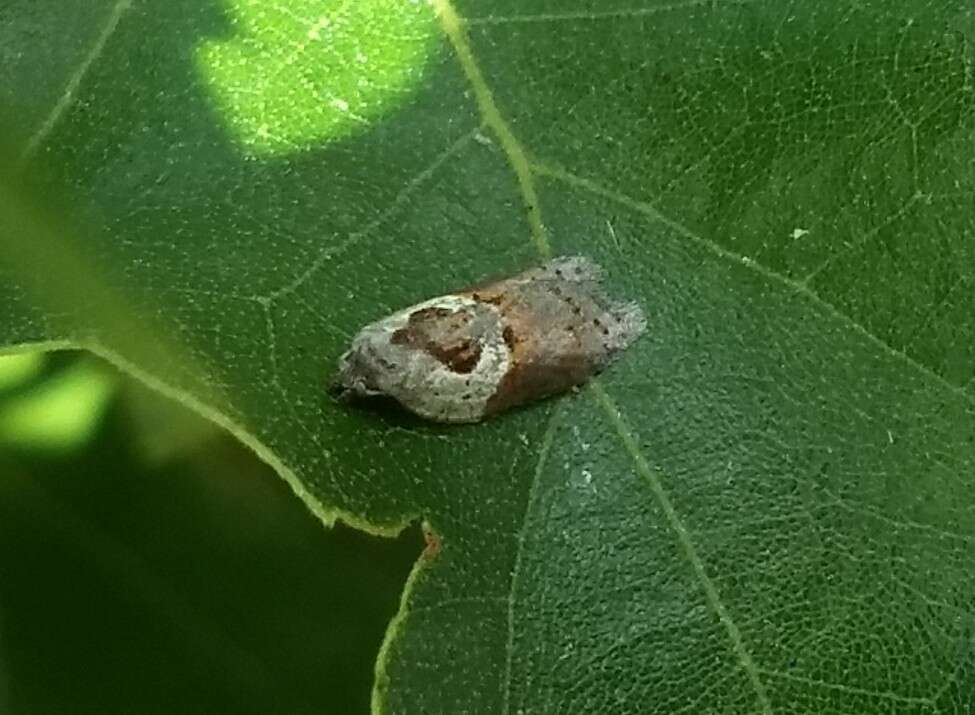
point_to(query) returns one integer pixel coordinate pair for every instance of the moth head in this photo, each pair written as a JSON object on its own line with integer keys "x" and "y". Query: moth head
{"x": 356, "y": 376}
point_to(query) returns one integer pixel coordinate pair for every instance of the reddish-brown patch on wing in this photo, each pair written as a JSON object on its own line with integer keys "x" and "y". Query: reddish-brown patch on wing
{"x": 551, "y": 347}
{"x": 535, "y": 370}
{"x": 461, "y": 358}
{"x": 528, "y": 379}
{"x": 440, "y": 332}
{"x": 540, "y": 366}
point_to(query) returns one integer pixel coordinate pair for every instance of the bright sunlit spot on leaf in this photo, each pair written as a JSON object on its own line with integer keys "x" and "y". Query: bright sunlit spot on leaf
{"x": 17, "y": 369}
{"x": 299, "y": 73}
{"x": 62, "y": 412}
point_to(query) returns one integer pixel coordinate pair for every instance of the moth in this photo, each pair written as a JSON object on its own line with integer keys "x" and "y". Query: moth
{"x": 468, "y": 355}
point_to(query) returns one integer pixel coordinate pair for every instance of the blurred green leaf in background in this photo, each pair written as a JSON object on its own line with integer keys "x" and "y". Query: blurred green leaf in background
{"x": 765, "y": 507}
{"x": 60, "y": 412}
{"x": 134, "y": 579}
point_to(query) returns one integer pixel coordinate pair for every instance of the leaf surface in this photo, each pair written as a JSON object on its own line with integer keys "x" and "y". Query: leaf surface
{"x": 766, "y": 506}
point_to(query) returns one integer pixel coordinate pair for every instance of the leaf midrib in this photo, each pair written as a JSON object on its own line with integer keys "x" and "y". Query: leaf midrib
{"x": 525, "y": 170}
{"x": 517, "y": 159}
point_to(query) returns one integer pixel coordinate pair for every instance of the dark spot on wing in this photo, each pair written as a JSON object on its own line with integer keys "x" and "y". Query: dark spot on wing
{"x": 441, "y": 333}
{"x": 509, "y": 337}
{"x": 461, "y": 358}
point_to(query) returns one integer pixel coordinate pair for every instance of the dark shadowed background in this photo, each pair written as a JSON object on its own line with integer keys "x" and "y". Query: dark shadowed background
{"x": 149, "y": 563}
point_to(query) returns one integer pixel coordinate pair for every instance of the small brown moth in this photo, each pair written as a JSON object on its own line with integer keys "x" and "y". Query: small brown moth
{"x": 465, "y": 356}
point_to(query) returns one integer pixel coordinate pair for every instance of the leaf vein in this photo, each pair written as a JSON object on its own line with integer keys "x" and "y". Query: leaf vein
{"x": 74, "y": 81}
{"x": 453, "y": 27}
{"x": 543, "y": 451}
{"x": 401, "y": 198}
{"x": 799, "y": 288}
{"x": 863, "y": 240}
{"x": 624, "y": 13}
{"x": 851, "y": 689}
{"x": 686, "y": 544}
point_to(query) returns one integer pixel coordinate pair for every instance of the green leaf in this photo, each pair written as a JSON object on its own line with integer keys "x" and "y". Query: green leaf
{"x": 765, "y": 506}
{"x": 292, "y": 75}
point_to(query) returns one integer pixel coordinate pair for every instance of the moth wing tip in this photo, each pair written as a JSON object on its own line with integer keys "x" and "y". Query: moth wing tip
{"x": 631, "y": 323}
